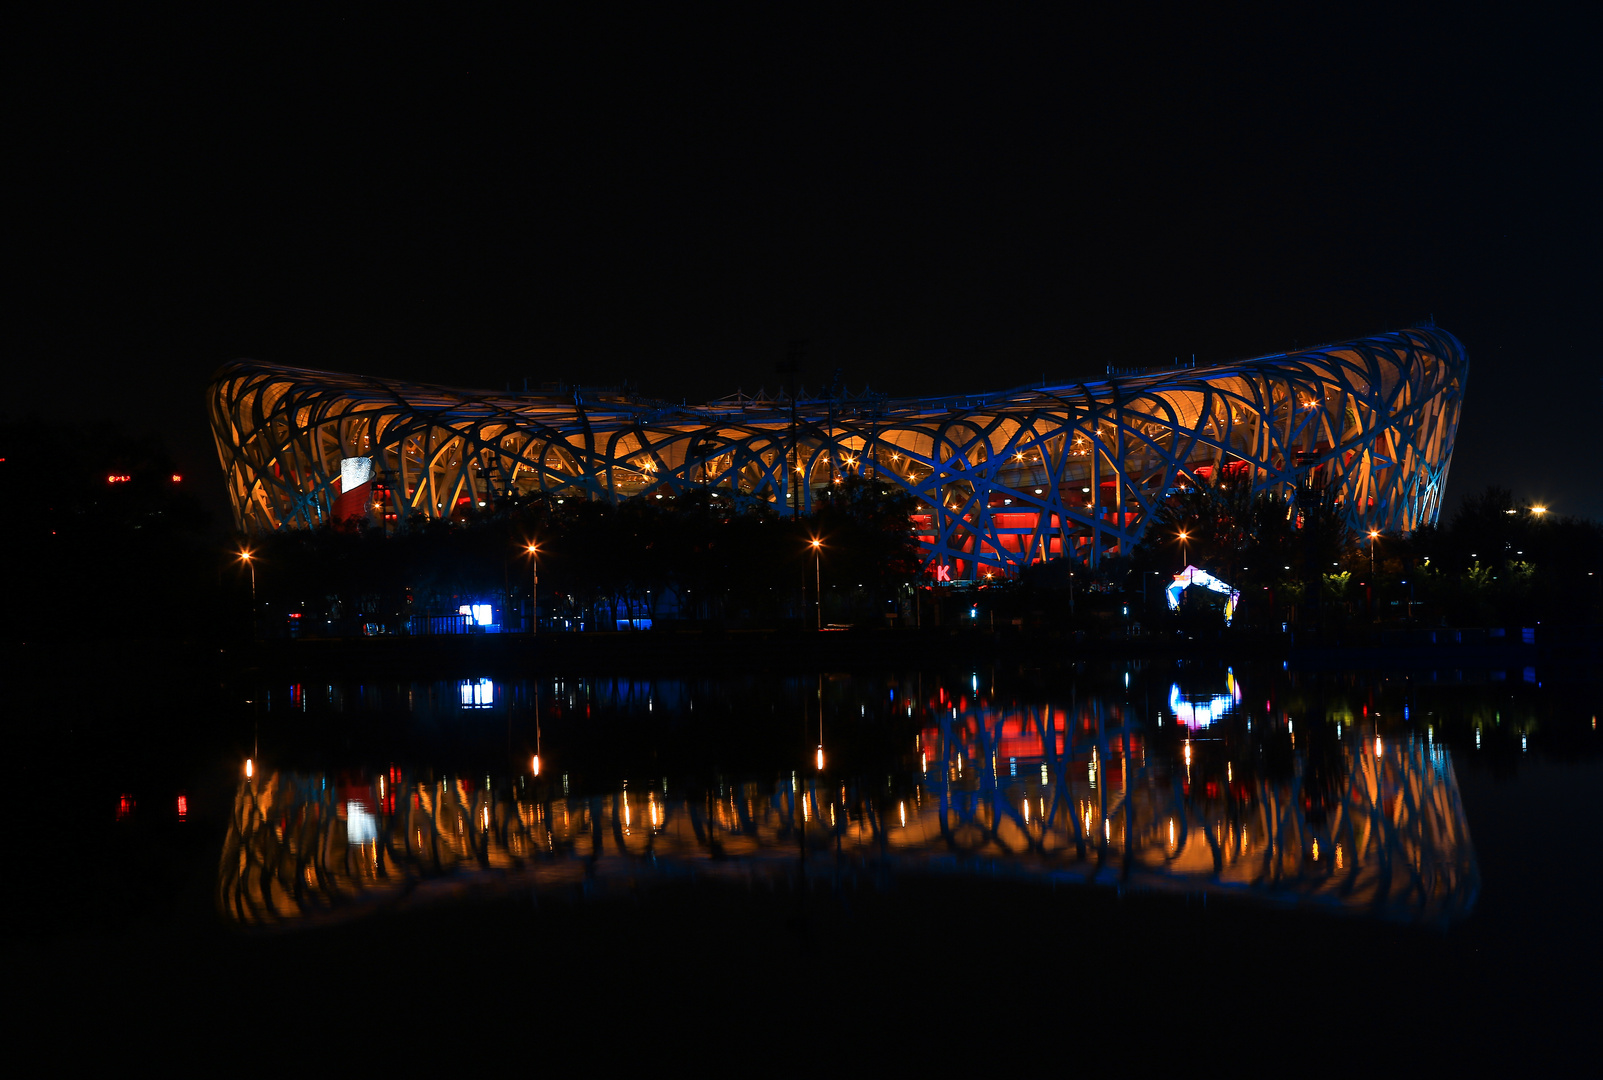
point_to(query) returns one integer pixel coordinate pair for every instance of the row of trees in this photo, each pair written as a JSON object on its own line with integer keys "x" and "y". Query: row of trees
{"x": 103, "y": 536}
{"x": 693, "y": 555}
{"x": 1496, "y": 561}
{"x": 1292, "y": 556}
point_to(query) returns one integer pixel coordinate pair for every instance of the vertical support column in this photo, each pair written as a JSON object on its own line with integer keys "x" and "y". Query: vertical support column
{"x": 1095, "y": 439}
{"x": 1119, "y": 467}
{"x": 432, "y": 498}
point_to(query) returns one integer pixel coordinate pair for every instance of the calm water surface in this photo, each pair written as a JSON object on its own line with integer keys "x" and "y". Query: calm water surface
{"x": 1333, "y": 791}
{"x": 1191, "y": 786}
{"x": 1293, "y": 808}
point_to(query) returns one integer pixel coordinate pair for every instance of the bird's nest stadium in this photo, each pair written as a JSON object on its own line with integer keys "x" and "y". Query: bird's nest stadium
{"x": 1002, "y": 479}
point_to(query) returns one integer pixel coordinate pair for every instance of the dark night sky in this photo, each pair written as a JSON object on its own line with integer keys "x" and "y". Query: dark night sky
{"x": 957, "y": 200}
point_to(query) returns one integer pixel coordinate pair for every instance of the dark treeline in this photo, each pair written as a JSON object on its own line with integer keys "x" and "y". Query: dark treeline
{"x": 693, "y": 558}
{"x": 1496, "y": 561}
{"x": 103, "y": 538}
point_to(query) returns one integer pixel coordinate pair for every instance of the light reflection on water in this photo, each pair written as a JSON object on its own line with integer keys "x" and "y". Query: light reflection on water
{"x": 1082, "y": 790}
{"x": 1198, "y": 712}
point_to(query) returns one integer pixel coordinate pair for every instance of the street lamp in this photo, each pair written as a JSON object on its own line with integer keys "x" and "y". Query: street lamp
{"x": 818, "y": 581}
{"x": 1369, "y": 589}
{"x": 1538, "y": 510}
{"x": 244, "y": 556}
{"x": 534, "y": 593}
{"x": 1184, "y": 562}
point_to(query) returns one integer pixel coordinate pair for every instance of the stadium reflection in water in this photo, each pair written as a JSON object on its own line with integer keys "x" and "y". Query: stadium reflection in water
{"x": 1360, "y": 822}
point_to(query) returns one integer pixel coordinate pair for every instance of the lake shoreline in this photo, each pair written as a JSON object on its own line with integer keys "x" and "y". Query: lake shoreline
{"x": 850, "y": 650}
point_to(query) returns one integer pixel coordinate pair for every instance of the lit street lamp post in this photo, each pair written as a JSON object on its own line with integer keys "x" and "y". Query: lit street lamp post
{"x": 1369, "y": 590}
{"x": 534, "y": 588}
{"x": 818, "y": 582}
{"x": 244, "y": 556}
{"x": 1184, "y": 561}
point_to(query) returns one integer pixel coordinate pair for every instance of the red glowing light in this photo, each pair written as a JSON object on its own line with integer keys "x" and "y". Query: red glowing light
{"x": 118, "y": 478}
{"x": 183, "y": 807}
{"x": 125, "y": 806}
{"x": 177, "y": 478}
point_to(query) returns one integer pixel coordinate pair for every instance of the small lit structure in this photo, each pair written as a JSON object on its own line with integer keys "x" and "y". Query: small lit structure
{"x": 479, "y": 614}
{"x": 1191, "y": 575}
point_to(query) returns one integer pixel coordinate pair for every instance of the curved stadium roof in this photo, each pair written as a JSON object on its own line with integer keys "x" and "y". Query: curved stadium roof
{"x": 1003, "y": 478}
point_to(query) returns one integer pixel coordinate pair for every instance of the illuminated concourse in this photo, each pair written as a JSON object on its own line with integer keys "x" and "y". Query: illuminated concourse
{"x": 1003, "y": 479}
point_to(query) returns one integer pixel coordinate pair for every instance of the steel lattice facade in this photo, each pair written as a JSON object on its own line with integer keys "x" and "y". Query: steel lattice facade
{"x": 1002, "y": 479}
